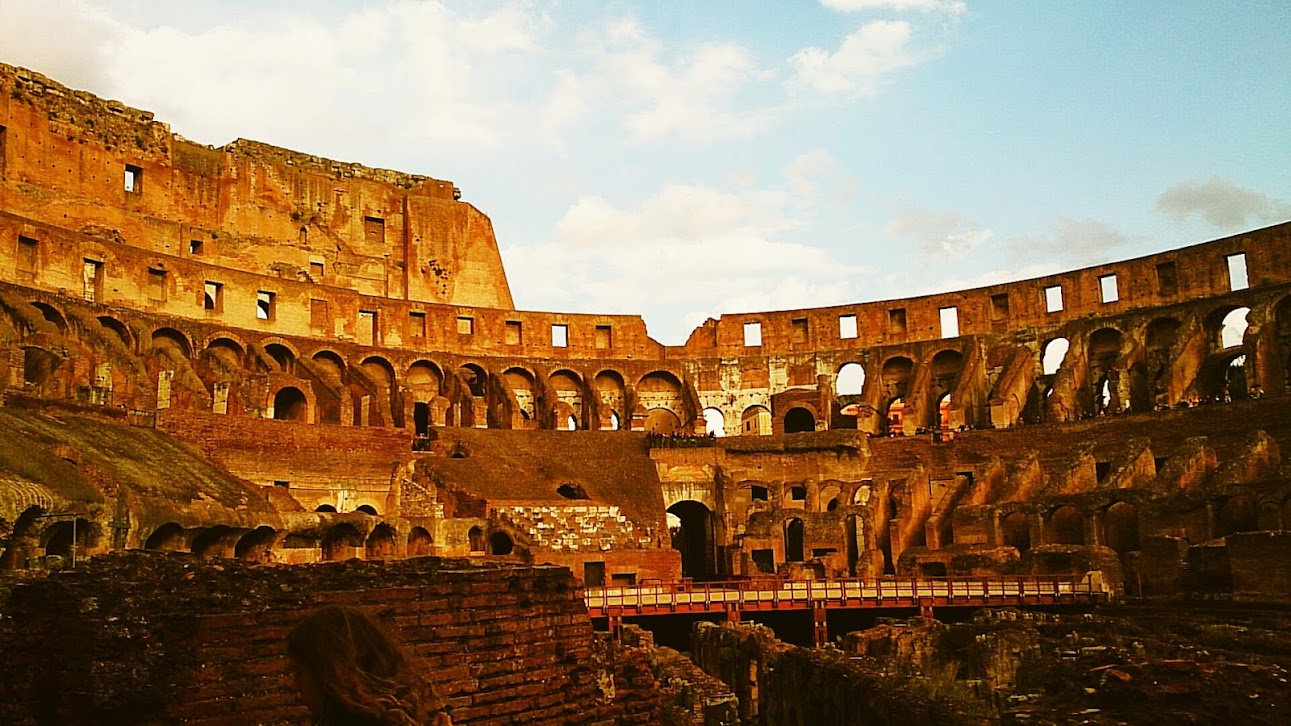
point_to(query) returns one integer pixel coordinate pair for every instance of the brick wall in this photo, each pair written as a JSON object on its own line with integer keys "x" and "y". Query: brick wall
{"x": 154, "y": 638}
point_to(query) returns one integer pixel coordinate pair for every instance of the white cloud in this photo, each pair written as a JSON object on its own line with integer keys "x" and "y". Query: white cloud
{"x": 1071, "y": 242}
{"x": 943, "y": 235}
{"x": 657, "y": 92}
{"x": 867, "y": 55}
{"x": 685, "y": 253}
{"x": 1221, "y": 204}
{"x": 954, "y": 7}
{"x": 64, "y": 39}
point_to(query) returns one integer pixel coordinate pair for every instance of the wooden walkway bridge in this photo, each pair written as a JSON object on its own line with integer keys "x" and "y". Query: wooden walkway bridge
{"x": 820, "y": 596}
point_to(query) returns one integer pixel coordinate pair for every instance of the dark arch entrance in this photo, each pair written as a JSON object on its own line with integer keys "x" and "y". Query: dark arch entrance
{"x": 1017, "y": 531}
{"x": 341, "y": 542}
{"x": 256, "y": 545}
{"x": 693, "y": 536}
{"x": 799, "y": 420}
{"x": 1121, "y": 527}
{"x": 289, "y": 404}
{"x": 793, "y": 538}
{"x": 500, "y": 543}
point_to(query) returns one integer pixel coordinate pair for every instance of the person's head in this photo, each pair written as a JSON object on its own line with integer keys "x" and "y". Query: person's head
{"x": 349, "y": 670}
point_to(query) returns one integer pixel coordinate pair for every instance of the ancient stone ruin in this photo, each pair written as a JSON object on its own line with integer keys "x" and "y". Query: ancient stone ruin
{"x": 256, "y": 356}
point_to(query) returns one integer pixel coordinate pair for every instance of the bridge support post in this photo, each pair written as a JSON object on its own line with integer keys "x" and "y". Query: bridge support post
{"x": 820, "y": 626}
{"x": 616, "y": 627}
{"x": 925, "y": 610}
{"x": 732, "y": 613}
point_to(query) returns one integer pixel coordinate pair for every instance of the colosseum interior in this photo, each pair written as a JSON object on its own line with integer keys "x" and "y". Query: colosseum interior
{"x": 255, "y": 356}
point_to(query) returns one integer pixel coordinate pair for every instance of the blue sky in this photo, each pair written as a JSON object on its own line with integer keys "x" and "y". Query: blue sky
{"x": 684, "y": 159}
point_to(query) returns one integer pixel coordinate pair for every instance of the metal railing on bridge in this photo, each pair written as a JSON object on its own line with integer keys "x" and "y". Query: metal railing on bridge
{"x": 749, "y": 595}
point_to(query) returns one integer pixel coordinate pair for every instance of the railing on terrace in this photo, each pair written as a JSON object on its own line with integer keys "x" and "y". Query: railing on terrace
{"x": 738, "y": 595}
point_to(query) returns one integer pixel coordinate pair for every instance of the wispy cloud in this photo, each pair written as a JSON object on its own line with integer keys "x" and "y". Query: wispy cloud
{"x": 1222, "y": 204}
{"x": 954, "y": 7}
{"x": 943, "y": 235}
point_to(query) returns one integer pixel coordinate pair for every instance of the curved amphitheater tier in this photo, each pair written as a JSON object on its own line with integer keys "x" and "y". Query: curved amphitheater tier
{"x": 250, "y": 352}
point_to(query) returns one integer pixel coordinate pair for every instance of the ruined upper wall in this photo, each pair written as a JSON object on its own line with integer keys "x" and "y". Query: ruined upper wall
{"x": 1167, "y": 278}
{"x": 75, "y": 161}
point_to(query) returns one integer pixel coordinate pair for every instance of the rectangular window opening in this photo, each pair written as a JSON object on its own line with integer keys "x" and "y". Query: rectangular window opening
{"x": 604, "y": 337}
{"x": 1108, "y": 288}
{"x": 264, "y": 305}
{"x": 559, "y": 336}
{"x": 416, "y": 324}
{"x": 93, "y": 279}
{"x": 1167, "y": 279}
{"x": 514, "y": 332}
{"x": 194, "y": 247}
{"x": 594, "y": 574}
{"x": 1053, "y": 299}
{"x": 801, "y": 330}
{"x": 1237, "y": 272}
{"x": 1000, "y": 307}
{"x": 846, "y": 327}
{"x": 282, "y": 484}
{"x": 896, "y": 320}
{"x": 28, "y": 258}
{"x": 133, "y": 179}
{"x": 316, "y": 271}
{"x": 752, "y": 335}
{"x": 213, "y": 296}
{"x": 624, "y": 579}
{"x": 465, "y": 325}
{"x": 156, "y": 285}
{"x": 949, "y": 322}
{"x": 318, "y": 315}
{"x": 367, "y": 333}
{"x": 374, "y": 230}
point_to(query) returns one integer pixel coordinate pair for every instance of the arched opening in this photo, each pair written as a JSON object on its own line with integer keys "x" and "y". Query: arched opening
{"x": 571, "y": 491}
{"x": 367, "y": 509}
{"x": 755, "y": 421}
{"x": 895, "y": 417}
{"x": 256, "y": 545}
{"x": 1236, "y": 514}
{"x": 169, "y": 537}
{"x": 799, "y": 420}
{"x": 419, "y": 542}
{"x": 566, "y": 388}
{"x": 793, "y": 540}
{"x": 1104, "y": 353}
{"x": 290, "y": 404}
{"x": 214, "y": 542}
{"x": 714, "y": 422}
{"x": 1232, "y": 331}
{"x": 381, "y": 543}
{"x": 855, "y": 531}
{"x": 662, "y": 421}
{"x": 521, "y": 385}
{"x": 850, "y": 381}
{"x": 692, "y": 527}
{"x": 475, "y": 539}
{"x": 1016, "y": 529}
{"x": 475, "y": 378}
{"x": 500, "y": 544}
{"x": 71, "y": 539}
{"x": 1055, "y": 352}
{"x": 1121, "y": 527}
{"x": 169, "y": 338}
{"x": 897, "y": 373}
{"x": 421, "y": 418}
{"x": 341, "y": 542}
{"x": 38, "y": 366}
{"x": 943, "y": 412}
{"x": 1160, "y": 342}
{"x": 946, "y": 366}
{"x": 661, "y": 389}
{"x": 283, "y": 356}
{"x": 51, "y": 314}
{"x": 1067, "y": 526}
{"x": 610, "y": 393}
{"x": 932, "y": 569}
{"x": 326, "y": 508}
{"x": 118, "y": 328}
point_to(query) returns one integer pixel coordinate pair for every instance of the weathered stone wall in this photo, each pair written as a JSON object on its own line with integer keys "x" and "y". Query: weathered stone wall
{"x": 783, "y": 684}
{"x": 151, "y": 639}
